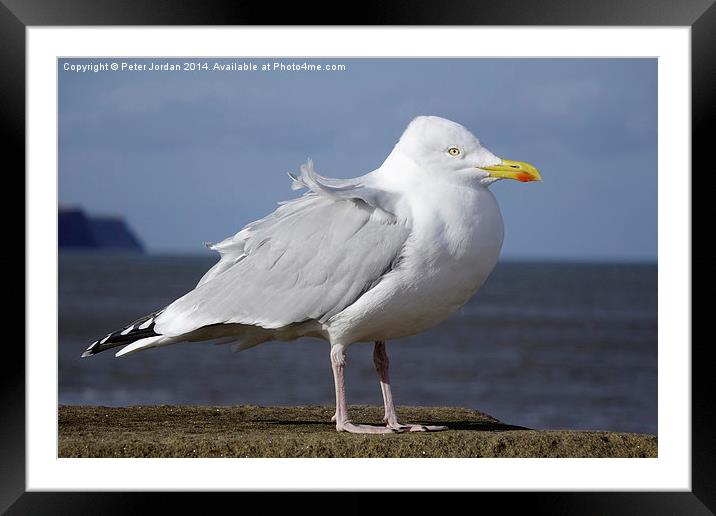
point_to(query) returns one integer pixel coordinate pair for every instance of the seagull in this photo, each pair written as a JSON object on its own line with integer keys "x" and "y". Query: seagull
{"x": 370, "y": 259}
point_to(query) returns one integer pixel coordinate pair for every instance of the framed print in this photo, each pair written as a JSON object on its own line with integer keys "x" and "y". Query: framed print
{"x": 148, "y": 113}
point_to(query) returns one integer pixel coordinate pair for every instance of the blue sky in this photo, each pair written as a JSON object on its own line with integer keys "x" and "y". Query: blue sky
{"x": 188, "y": 157}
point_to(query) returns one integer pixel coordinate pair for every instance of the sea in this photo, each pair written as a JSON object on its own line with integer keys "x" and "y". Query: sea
{"x": 543, "y": 345}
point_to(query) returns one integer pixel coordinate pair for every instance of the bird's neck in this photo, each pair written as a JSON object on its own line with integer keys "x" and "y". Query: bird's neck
{"x": 403, "y": 176}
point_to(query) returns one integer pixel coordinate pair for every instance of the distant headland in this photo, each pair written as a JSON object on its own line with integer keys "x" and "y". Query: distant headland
{"x": 79, "y": 231}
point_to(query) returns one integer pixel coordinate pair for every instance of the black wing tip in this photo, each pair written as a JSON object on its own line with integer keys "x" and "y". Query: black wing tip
{"x": 126, "y": 335}
{"x": 92, "y": 350}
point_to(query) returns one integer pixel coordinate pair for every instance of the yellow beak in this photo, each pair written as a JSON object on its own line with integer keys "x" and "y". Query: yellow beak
{"x": 517, "y": 170}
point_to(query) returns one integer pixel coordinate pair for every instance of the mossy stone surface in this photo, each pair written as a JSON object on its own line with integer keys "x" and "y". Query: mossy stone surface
{"x": 251, "y": 431}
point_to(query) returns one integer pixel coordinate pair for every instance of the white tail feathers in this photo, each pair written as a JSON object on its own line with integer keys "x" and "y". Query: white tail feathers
{"x": 142, "y": 344}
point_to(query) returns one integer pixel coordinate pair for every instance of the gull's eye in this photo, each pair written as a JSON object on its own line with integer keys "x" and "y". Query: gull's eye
{"x": 454, "y": 151}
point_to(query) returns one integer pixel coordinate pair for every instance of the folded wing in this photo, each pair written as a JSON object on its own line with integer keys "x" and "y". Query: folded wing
{"x": 310, "y": 259}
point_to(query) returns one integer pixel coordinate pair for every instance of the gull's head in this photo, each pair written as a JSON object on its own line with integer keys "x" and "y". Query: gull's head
{"x": 441, "y": 146}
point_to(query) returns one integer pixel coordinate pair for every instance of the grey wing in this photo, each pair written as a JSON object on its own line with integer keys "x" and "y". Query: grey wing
{"x": 310, "y": 259}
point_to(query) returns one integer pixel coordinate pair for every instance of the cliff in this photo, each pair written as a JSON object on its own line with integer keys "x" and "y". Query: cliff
{"x": 76, "y": 230}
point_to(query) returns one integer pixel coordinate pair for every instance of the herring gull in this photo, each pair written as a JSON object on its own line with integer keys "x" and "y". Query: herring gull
{"x": 377, "y": 257}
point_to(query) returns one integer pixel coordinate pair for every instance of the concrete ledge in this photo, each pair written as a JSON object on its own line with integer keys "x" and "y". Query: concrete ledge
{"x": 249, "y": 431}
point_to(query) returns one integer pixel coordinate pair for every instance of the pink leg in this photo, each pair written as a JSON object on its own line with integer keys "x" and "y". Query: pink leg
{"x": 380, "y": 359}
{"x": 343, "y": 424}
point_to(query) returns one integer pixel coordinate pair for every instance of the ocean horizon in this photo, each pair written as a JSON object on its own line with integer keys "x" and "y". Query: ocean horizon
{"x": 544, "y": 344}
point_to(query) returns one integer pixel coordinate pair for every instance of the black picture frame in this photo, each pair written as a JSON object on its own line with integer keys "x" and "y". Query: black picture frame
{"x": 17, "y": 15}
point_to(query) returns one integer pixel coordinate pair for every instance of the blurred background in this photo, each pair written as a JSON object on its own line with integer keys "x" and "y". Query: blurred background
{"x": 562, "y": 335}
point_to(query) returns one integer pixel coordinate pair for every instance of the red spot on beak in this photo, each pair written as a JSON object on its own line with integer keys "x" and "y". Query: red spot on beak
{"x": 523, "y": 177}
